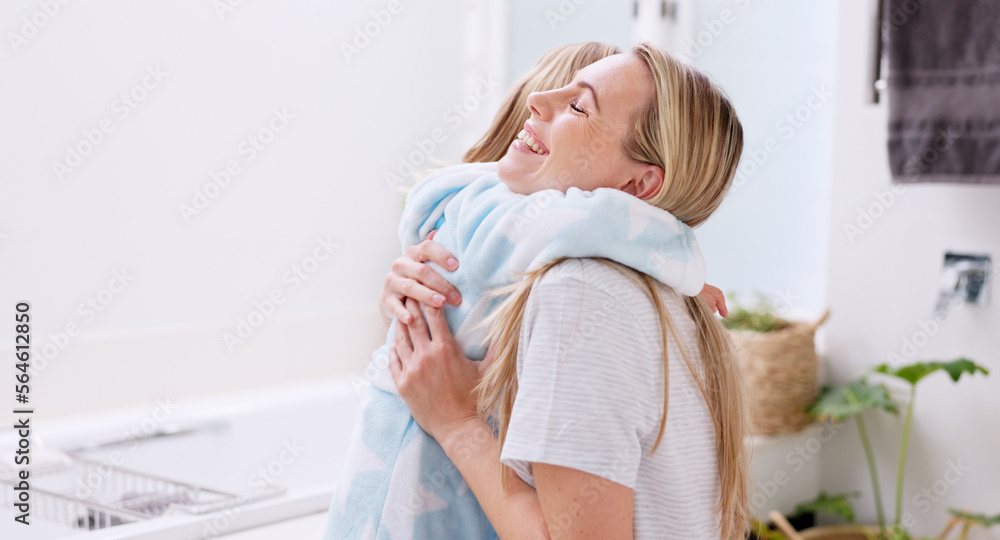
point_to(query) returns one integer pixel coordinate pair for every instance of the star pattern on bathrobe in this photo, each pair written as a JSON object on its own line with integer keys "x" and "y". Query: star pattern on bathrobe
{"x": 362, "y": 459}
{"x": 423, "y": 494}
{"x": 405, "y": 502}
{"x": 641, "y": 218}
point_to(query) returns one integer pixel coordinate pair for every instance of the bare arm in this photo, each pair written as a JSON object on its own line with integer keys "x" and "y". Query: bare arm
{"x": 568, "y": 503}
{"x": 516, "y": 513}
{"x": 436, "y": 381}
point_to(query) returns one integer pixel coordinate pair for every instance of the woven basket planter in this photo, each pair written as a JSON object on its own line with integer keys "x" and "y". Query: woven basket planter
{"x": 780, "y": 369}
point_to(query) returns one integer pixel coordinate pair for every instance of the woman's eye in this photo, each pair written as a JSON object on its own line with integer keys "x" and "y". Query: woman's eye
{"x": 577, "y": 109}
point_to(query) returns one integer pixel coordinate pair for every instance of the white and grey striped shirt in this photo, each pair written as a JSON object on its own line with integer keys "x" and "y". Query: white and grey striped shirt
{"x": 590, "y": 395}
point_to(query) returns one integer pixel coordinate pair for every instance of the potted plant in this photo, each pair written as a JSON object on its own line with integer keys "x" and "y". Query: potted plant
{"x": 839, "y": 506}
{"x": 835, "y": 505}
{"x": 779, "y": 364}
{"x": 840, "y": 403}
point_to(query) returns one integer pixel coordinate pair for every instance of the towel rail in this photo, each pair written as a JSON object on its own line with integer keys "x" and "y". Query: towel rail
{"x": 878, "y": 84}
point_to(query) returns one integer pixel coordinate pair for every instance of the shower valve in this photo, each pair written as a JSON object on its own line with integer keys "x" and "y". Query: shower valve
{"x": 964, "y": 279}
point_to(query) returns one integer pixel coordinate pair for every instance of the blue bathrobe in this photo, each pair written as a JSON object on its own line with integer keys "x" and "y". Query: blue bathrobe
{"x": 398, "y": 484}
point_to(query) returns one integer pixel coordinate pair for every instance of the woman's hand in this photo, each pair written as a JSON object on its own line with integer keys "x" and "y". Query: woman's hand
{"x": 432, "y": 375}
{"x": 410, "y": 277}
{"x": 716, "y": 300}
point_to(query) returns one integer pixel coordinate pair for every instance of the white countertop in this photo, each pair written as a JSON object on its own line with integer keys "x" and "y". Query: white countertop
{"x": 303, "y": 528}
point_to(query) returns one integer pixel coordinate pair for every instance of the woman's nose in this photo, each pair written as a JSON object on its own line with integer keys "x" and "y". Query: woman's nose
{"x": 537, "y": 104}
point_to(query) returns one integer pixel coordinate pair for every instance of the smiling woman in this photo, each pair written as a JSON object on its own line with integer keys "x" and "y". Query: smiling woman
{"x": 592, "y": 169}
{"x": 368, "y": 498}
{"x": 579, "y": 145}
{"x": 558, "y": 382}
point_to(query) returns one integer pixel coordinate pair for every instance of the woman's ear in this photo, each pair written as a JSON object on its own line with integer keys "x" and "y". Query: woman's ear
{"x": 645, "y": 182}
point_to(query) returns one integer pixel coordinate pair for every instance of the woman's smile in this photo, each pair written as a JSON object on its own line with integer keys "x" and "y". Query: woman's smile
{"x": 528, "y": 141}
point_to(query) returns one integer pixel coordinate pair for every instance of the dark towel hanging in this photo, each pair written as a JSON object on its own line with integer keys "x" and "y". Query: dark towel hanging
{"x": 944, "y": 90}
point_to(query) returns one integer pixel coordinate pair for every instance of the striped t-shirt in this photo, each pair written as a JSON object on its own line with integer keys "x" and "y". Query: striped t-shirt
{"x": 590, "y": 396}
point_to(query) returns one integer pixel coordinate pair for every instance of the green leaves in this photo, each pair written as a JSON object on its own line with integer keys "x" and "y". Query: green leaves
{"x": 762, "y": 318}
{"x": 835, "y": 505}
{"x": 838, "y": 403}
{"x": 763, "y": 532}
{"x": 976, "y": 519}
{"x": 913, "y": 373}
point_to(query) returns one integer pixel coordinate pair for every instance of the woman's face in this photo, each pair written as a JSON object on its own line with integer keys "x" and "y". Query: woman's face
{"x": 578, "y": 130}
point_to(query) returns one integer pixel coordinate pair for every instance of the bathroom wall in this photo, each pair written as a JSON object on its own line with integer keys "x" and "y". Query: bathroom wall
{"x": 882, "y": 287}
{"x": 537, "y": 26}
{"x": 774, "y": 60}
{"x": 204, "y": 195}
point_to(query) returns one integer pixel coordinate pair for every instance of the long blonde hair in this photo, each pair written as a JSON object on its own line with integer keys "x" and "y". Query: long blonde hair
{"x": 691, "y": 131}
{"x": 555, "y": 69}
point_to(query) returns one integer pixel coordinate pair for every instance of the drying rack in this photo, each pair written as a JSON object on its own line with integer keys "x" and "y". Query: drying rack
{"x": 91, "y": 495}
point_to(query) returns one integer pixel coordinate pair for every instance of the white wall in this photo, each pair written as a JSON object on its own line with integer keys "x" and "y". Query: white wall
{"x": 882, "y": 288}
{"x": 353, "y": 117}
{"x": 537, "y": 26}
{"x": 775, "y": 60}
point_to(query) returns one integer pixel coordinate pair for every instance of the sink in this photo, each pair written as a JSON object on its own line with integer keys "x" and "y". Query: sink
{"x": 243, "y": 460}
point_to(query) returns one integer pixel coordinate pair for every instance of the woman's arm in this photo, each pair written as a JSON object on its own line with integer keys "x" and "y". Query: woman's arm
{"x": 568, "y": 503}
{"x": 436, "y": 381}
{"x": 515, "y": 513}
{"x": 409, "y": 277}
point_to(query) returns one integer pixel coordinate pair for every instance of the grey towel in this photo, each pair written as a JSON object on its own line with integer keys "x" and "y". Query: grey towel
{"x": 944, "y": 90}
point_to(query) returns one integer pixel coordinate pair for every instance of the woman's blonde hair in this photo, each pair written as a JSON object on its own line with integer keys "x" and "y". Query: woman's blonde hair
{"x": 690, "y": 130}
{"x": 554, "y": 70}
